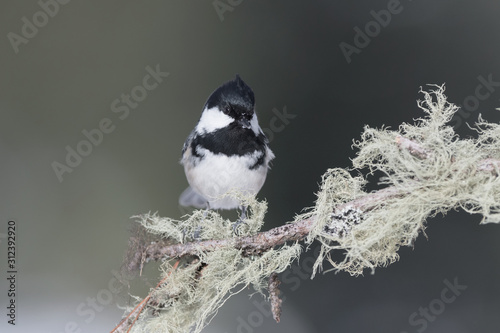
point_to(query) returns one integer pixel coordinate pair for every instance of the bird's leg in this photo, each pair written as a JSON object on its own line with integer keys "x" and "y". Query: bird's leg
{"x": 197, "y": 231}
{"x": 205, "y": 213}
{"x": 241, "y": 220}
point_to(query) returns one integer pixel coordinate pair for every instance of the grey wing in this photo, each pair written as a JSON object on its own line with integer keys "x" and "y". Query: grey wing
{"x": 190, "y": 198}
{"x": 186, "y": 148}
{"x": 187, "y": 143}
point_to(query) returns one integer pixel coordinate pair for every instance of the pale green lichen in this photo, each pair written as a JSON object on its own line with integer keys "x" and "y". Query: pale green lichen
{"x": 447, "y": 178}
{"x": 194, "y": 292}
{"x": 207, "y": 224}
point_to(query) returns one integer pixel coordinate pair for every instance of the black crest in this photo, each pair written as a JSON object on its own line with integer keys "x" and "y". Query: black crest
{"x": 234, "y": 98}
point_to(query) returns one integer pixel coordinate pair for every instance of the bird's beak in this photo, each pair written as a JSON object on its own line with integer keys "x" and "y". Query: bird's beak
{"x": 244, "y": 122}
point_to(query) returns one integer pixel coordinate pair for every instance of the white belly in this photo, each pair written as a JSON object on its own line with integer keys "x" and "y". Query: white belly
{"x": 216, "y": 175}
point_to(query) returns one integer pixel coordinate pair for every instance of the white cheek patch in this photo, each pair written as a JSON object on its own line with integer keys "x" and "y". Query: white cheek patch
{"x": 212, "y": 120}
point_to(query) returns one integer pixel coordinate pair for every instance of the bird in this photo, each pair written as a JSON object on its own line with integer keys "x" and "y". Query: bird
{"x": 226, "y": 151}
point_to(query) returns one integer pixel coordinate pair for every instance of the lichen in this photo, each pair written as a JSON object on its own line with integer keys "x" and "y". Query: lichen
{"x": 445, "y": 178}
{"x": 194, "y": 292}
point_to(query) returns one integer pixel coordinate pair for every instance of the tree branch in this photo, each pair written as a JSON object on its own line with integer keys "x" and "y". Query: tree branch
{"x": 258, "y": 243}
{"x": 413, "y": 147}
{"x": 263, "y": 241}
{"x": 274, "y": 296}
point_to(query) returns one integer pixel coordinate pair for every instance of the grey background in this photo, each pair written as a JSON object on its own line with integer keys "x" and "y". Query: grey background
{"x": 71, "y": 235}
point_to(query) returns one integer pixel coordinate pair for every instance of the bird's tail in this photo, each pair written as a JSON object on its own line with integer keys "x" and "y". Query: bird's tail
{"x": 191, "y": 198}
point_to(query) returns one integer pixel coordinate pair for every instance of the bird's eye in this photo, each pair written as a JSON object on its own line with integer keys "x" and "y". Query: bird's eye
{"x": 227, "y": 109}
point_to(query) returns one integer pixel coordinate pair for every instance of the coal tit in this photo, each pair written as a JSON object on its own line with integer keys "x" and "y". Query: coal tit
{"x": 227, "y": 150}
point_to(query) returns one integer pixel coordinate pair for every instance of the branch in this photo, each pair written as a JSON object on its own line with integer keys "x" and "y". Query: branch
{"x": 489, "y": 165}
{"x": 263, "y": 241}
{"x": 413, "y": 147}
{"x": 126, "y": 324}
{"x": 274, "y": 296}
{"x": 254, "y": 244}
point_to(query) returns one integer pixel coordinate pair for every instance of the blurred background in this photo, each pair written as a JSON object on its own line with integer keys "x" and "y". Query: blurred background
{"x": 73, "y": 69}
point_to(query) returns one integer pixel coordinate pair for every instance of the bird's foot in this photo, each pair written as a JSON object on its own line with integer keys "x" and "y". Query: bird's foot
{"x": 240, "y": 221}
